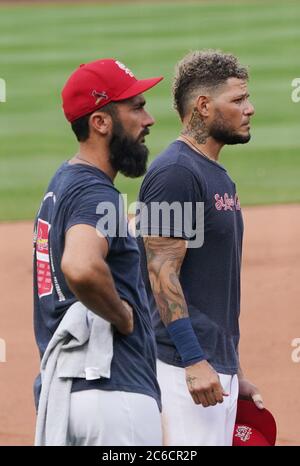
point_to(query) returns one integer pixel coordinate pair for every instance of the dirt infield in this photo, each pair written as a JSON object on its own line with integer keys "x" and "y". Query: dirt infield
{"x": 270, "y": 321}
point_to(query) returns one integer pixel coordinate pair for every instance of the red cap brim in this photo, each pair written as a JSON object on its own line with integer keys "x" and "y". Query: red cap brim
{"x": 245, "y": 436}
{"x": 260, "y": 419}
{"x": 138, "y": 87}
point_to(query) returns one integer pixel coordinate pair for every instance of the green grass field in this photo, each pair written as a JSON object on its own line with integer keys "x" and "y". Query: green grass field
{"x": 41, "y": 45}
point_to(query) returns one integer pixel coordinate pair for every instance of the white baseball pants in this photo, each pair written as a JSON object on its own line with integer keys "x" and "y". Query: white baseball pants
{"x": 114, "y": 418}
{"x": 184, "y": 422}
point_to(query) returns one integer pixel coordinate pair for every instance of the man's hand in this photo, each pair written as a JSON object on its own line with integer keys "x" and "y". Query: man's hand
{"x": 204, "y": 384}
{"x": 248, "y": 391}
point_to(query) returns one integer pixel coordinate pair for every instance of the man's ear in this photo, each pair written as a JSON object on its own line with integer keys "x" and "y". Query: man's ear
{"x": 101, "y": 122}
{"x": 203, "y": 105}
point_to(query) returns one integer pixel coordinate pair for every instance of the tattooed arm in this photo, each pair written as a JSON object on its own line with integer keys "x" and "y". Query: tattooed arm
{"x": 164, "y": 260}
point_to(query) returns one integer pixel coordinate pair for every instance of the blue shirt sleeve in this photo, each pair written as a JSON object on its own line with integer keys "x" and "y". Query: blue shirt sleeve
{"x": 97, "y": 205}
{"x": 169, "y": 199}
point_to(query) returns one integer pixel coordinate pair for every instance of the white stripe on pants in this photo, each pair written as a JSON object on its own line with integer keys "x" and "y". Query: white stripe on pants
{"x": 111, "y": 418}
{"x": 184, "y": 422}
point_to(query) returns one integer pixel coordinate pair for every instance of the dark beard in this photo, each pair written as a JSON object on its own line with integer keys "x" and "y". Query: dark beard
{"x": 222, "y": 132}
{"x": 127, "y": 156}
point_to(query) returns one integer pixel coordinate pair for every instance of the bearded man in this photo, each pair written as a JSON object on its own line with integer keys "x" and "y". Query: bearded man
{"x": 194, "y": 286}
{"x": 87, "y": 274}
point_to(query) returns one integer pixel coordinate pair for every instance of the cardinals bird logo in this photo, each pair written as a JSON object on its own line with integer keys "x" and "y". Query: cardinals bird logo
{"x": 99, "y": 96}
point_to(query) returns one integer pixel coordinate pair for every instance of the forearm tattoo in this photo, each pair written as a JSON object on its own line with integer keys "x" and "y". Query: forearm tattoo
{"x": 164, "y": 259}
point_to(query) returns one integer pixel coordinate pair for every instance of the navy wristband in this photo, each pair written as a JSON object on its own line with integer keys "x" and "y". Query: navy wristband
{"x": 183, "y": 336}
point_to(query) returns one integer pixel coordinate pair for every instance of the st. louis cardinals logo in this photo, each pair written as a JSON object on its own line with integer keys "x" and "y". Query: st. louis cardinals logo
{"x": 124, "y": 68}
{"x": 227, "y": 202}
{"x": 244, "y": 433}
{"x": 99, "y": 96}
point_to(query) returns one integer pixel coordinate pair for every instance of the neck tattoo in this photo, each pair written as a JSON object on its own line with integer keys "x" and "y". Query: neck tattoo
{"x": 196, "y": 148}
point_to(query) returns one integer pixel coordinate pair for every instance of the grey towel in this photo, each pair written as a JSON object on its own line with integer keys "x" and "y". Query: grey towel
{"x": 81, "y": 347}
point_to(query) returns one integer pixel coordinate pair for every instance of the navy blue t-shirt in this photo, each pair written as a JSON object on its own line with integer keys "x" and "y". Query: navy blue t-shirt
{"x": 210, "y": 274}
{"x": 73, "y": 197}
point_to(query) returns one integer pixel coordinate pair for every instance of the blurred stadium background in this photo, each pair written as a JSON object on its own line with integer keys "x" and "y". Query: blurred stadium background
{"x": 41, "y": 44}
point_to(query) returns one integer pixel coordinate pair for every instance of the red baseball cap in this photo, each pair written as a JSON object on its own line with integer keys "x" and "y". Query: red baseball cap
{"x": 97, "y": 83}
{"x": 254, "y": 426}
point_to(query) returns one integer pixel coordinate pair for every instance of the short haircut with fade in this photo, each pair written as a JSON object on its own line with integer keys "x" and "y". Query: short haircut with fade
{"x": 203, "y": 70}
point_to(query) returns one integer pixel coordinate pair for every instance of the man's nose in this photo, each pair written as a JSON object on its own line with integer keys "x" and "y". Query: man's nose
{"x": 250, "y": 110}
{"x": 149, "y": 120}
